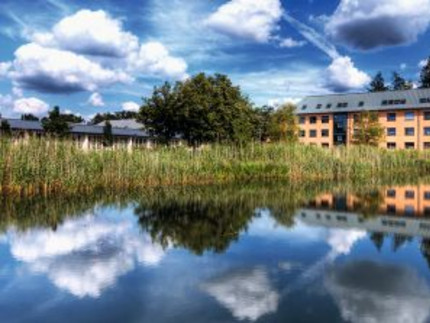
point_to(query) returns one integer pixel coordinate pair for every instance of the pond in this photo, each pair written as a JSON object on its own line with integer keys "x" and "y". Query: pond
{"x": 243, "y": 253}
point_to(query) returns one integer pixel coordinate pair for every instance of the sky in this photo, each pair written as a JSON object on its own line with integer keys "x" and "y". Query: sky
{"x": 97, "y": 56}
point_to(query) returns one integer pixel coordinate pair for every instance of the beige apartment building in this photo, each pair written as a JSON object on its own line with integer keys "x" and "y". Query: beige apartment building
{"x": 330, "y": 120}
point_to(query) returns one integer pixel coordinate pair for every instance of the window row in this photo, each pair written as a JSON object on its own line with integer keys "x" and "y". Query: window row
{"x": 409, "y": 115}
{"x": 313, "y": 133}
{"x": 314, "y": 119}
{"x": 409, "y": 194}
{"x": 408, "y": 131}
{"x": 394, "y": 102}
{"x": 407, "y": 145}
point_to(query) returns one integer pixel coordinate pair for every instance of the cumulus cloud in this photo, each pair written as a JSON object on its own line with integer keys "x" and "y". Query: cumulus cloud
{"x": 96, "y": 100}
{"x": 280, "y": 101}
{"x": 247, "y": 294}
{"x": 130, "y": 106}
{"x": 249, "y": 19}
{"x": 90, "y": 33}
{"x": 30, "y": 105}
{"x": 88, "y": 51}
{"x": 342, "y": 75}
{"x": 369, "y": 24}
{"x": 85, "y": 256}
{"x": 291, "y": 43}
{"x": 368, "y": 292}
{"x": 341, "y": 241}
{"x": 153, "y": 58}
{"x": 53, "y": 70}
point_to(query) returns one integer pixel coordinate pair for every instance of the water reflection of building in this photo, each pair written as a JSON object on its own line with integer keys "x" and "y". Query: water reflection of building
{"x": 403, "y": 211}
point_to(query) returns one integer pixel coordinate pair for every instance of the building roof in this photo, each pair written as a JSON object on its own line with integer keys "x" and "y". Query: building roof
{"x": 17, "y": 124}
{"x": 351, "y": 102}
{"x": 126, "y": 123}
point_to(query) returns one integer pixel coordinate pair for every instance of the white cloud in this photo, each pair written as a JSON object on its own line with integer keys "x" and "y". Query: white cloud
{"x": 422, "y": 63}
{"x": 249, "y": 19}
{"x": 4, "y": 68}
{"x": 52, "y": 70}
{"x": 368, "y": 24}
{"x": 90, "y": 33}
{"x": 85, "y": 256}
{"x": 403, "y": 66}
{"x": 280, "y": 101}
{"x": 30, "y": 105}
{"x": 369, "y": 292}
{"x": 291, "y": 43}
{"x": 342, "y": 75}
{"x": 154, "y": 59}
{"x": 342, "y": 241}
{"x": 248, "y": 295}
{"x": 96, "y": 100}
{"x": 130, "y": 106}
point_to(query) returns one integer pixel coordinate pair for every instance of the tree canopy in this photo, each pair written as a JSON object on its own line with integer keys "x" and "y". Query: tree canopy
{"x": 119, "y": 115}
{"x": 425, "y": 75}
{"x": 368, "y": 130}
{"x": 5, "y": 128}
{"x": 56, "y": 124}
{"x": 284, "y": 126}
{"x": 29, "y": 117}
{"x": 378, "y": 84}
{"x": 202, "y": 109}
{"x": 107, "y": 134}
{"x": 399, "y": 83}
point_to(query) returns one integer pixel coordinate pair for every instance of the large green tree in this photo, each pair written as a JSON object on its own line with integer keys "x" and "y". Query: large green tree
{"x": 368, "y": 130}
{"x": 284, "y": 125}
{"x": 425, "y": 75}
{"x": 263, "y": 124}
{"x": 399, "y": 83}
{"x": 5, "y": 128}
{"x": 55, "y": 124}
{"x": 378, "y": 83}
{"x": 202, "y": 109}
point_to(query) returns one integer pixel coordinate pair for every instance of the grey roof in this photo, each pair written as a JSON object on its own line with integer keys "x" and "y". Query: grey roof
{"x": 17, "y": 124}
{"x": 389, "y": 100}
{"x": 127, "y": 123}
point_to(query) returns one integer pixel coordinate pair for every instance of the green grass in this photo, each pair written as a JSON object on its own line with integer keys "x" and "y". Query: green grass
{"x": 45, "y": 166}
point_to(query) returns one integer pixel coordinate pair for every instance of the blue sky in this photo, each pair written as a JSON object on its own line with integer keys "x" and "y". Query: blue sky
{"x": 105, "y": 55}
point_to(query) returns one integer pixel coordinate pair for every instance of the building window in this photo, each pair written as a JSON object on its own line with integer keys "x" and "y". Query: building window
{"x": 313, "y": 120}
{"x": 409, "y": 131}
{"x": 409, "y": 115}
{"x": 328, "y": 106}
{"x": 391, "y": 116}
{"x": 391, "y": 209}
{"x": 302, "y": 133}
{"x": 391, "y": 132}
{"x": 424, "y": 100}
{"x": 391, "y": 145}
{"x": 356, "y": 117}
{"x": 409, "y": 145}
{"x": 409, "y": 194}
{"x": 409, "y": 210}
{"x": 325, "y": 145}
{"x": 304, "y": 107}
{"x": 342, "y": 105}
{"x": 302, "y": 120}
{"x": 361, "y": 104}
{"x": 427, "y": 195}
{"x": 426, "y": 115}
{"x": 391, "y": 193}
{"x": 313, "y": 133}
{"x": 427, "y": 131}
{"x": 319, "y": 106}
{"x": 325, "y": 119}
{"x": 427, "y": 145}
{"x": 324, "y": 133}
{"x": 385, "y": 102}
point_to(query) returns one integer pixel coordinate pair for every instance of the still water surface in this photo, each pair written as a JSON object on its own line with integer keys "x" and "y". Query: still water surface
{"x": 222, "y": 254}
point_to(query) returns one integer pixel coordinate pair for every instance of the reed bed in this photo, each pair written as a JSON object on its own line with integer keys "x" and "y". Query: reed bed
{"x": 44, "y": 166}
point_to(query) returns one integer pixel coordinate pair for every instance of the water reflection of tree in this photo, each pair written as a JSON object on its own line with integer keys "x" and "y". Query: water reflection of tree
{"x": 369, "y": 202}
{"x": 425, "y": 250}
{"x": 211, "y": 218}
{"x": 378, "y": 239}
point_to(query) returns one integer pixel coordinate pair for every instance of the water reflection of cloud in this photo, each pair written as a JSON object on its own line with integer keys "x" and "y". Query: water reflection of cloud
{"x": 368, "y": 292}
{"x": 247, "y": 294}
{"x": 86, "y": 255}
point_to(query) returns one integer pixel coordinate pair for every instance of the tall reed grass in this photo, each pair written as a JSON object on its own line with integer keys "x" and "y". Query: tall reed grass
{"x": 42, "y": 166}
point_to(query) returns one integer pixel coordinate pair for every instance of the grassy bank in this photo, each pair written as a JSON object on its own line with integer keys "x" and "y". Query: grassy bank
{"x": 43, "y": 167}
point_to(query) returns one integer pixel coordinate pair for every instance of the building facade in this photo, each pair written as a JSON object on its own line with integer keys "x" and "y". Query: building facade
{"x": 127, "y": 133}
{"x": 331, "y": 120}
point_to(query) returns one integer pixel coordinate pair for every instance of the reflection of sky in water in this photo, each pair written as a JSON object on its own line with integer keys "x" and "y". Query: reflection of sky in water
{"x": 103, "y": 267}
